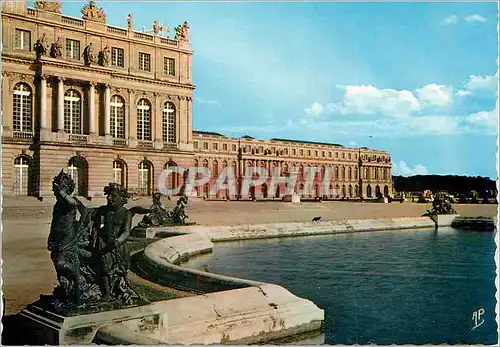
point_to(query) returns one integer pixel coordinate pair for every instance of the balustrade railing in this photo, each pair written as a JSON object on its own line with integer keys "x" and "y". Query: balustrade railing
{"x": 31, "y": 12}
{"x": 143, "y": 36}
{"x": 145, "y": 144}
{"x": 117, "y": 31}
{"x": 78, "y": 138}
{"x": 120, "y": 142}
{"x": 168, "y": 145}
{"x": 72, "y": 21}
{"x": 23, "y": 135}
{"x": 168, "y": 41}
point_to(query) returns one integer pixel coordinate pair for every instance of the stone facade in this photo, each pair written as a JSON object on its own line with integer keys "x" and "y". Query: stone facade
{"x": 113, "y": 104}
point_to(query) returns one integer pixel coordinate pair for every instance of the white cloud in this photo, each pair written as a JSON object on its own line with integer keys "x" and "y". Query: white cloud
{"x": 209, "y": 102}
{"x": 435, "y": 95}
{"x": 352, "y": 143}
{"x": 475, "y": 18}
{"x": 479, "y": 84}
{"x": 486, "y": 121}
{"x": 314, "y": 110}
{"x": 450, "y": 20}
{"x": 371, "y": 100}
{"x": 402, "y": 169}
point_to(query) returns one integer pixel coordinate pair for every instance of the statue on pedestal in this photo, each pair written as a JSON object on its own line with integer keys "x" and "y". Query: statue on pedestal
{"x": 40, "y": 47}
{"x": 158, "y": 215}
{"x": 50, "y": 6}
{"x": 440, "y": 205}
{"x": 130, "y": 24}
{"x": 103, "y": 58}
{"x": 93, "y": 13}
{"x": 89, "y": 254}
{"x": 56, "y": 49}
{"x": 182, "y": 32}
{"x": 88, "y": 55}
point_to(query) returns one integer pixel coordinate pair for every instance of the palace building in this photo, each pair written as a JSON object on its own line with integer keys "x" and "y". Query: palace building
{"x": 110, "y": 104}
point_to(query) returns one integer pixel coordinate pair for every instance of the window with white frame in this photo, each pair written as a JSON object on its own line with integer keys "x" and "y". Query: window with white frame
{"x": 144, "y": 61}
{"x": 168, "y": 122}
{"x": 117, "y": 117}
{"x": 144, "y": 120}
{"x": 21, "y": 174}
{"x": 119, "y": 173}
{"x": 117, "y": 56}
{"x": 23, "y": 108}
{"x": 72, "y": 112}
{"x": 169, "y": 66}
{"x": 72, "y": 49}
{"x": 23, "y": 39}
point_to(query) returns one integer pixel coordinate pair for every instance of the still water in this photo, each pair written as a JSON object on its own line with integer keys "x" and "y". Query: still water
{"x": 402, "y": 287}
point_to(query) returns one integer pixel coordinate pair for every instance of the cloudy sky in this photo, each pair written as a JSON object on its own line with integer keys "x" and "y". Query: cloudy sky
{"x": 416, "y": 79}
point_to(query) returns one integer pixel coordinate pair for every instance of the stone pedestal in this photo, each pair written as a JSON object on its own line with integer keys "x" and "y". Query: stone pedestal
{"x": 443, "y": 220}
{"x": 294, "y": 198}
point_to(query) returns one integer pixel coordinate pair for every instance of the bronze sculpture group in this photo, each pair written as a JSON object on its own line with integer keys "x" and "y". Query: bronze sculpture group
{"x": 159, "y": 216}
{"x": 440, "y": 205}
{"x": 90, "y": 254}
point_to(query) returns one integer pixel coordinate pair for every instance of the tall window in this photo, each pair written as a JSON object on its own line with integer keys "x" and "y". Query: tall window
{"x": 144, "y": 61}
{"x": 144, "y": 120}
{"x": 21, "y": 174}
{"x": 72, "y": 112}
{"x": 117, "y": 117}
{"x": 23, "y": 39}
{"x": 72, "y": 49}
{"x": 119, "y": 173}
{"x": 117, "y": 55}
{"x": 168, "y": 122}
{"x": 73, "y": 173}
{"x": 144, "y": 178}
{"x": 23, "y": 108}
{"x": 169, "y": 66}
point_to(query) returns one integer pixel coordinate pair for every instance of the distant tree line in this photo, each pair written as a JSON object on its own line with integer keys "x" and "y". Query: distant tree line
{"x": 452, "y": 184}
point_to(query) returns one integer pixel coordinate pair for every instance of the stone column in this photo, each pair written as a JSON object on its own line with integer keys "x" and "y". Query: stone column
{"x": 157, "y": 123}
{"x": 107, "y": 101}
{"x": 44, "y": 121}
{"x": 92, "y": 120}
{"x": 60, "y": 104}
{"x": 107, "y": 109}
{"x": 132, "y": 120}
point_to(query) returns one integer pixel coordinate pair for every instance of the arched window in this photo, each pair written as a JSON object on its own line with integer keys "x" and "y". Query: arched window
{"x": 23, "y": 108}
{"x": 349, "y": 173}
{"x": 144, "y": 120}
{"x": 169, "y": 122}
{"x": 117, "y": 117}
{"x": 215, "y": 168}
{"x": 336, "y": 172}
{"x": 119, "y": 173}
{"x": 369, "y": 191}
{"x": 78, "y": 171}
{"x": 21, "y": 176}
{"x": 72, "y": 112}
{"x": 145, "y": 177}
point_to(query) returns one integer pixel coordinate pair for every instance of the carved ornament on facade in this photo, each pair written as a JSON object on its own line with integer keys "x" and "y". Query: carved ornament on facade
{"x": 50, "y": 6}
{"x": 91, "y": 12}
{"x": 56, "y": 49}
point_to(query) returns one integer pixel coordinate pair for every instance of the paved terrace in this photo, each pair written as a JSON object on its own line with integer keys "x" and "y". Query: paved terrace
{"x": 27, "y": 269}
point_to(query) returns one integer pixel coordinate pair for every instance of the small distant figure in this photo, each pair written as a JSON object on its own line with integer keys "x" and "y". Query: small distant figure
{"x": 316, "y": 219}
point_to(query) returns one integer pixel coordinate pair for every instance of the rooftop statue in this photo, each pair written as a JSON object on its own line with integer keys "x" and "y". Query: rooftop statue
{"x": 89, "y": 254}
{"x": 130, "y": 23}
{"x": 94, "y": 13}
{"x": 159, "y": 216}
{"x": 182, "y": 32}
{"x": 50, "y": 6}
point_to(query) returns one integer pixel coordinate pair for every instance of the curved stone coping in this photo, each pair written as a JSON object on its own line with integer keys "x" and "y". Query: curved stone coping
{"x": 160, "y": 259}
{"x": 251, "y": 312}
{"x": 276, "y": 230}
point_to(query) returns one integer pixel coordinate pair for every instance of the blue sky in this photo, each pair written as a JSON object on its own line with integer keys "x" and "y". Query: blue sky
{"x": 419, "y": 78}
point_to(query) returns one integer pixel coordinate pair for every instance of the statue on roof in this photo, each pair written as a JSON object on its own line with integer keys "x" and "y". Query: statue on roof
{"x": 94, "y": 13}
{"x": 40, "y": 47}
{"x": 50, "y": 6}
{"x": 182, "y": 32}
{"x": 130, "y": 23}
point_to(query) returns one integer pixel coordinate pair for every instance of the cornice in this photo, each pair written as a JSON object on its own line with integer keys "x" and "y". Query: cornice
{"x": 99, "y": 70}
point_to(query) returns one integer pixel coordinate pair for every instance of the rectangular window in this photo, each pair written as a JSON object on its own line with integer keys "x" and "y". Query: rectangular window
{"x": 169, "y": 66}
{"x": 214, "y": 146}
{"x": 294, "y": 152}
{"x": 323, "y": 154}
{"x": 205, "y": 145}
{"x": 308, "y": 152}
{"x": 329, "y": 154}
{"x": 117, "y": 56}
{"x": 224, "y": 146}
{"x": 23, "y": 40}
{"x": 301, "y": 152}
{"x": 144, "y": 61}
{"x": 73, "y": 49}
{"x": 233, "y": 147}
{"x": 195, "y": 145}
